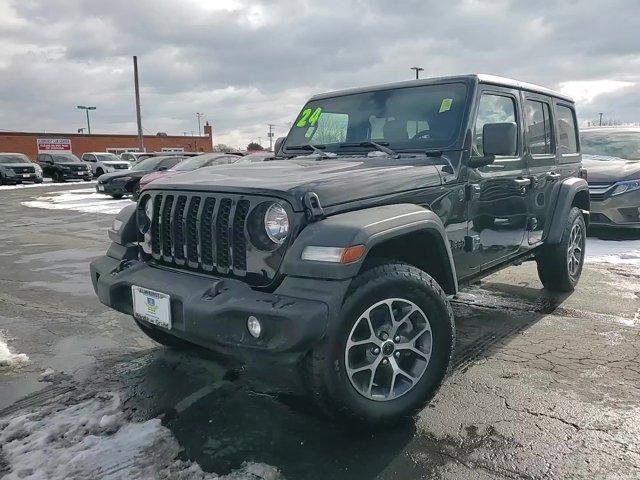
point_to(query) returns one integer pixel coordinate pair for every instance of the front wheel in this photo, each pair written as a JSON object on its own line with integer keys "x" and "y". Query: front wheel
{"x": 560, "y": 265}
{"x": 390, "y": 350}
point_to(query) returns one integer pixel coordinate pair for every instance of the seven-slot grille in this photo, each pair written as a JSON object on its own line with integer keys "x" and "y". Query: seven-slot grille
{"x": 200, "y": 231}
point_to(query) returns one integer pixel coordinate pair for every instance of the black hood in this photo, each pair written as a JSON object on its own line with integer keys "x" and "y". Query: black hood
{"x": 602, "y": 169}
{"x": 335, "y": 181}
{"x": 17, "y": 165}
{"x": 107, "y": 177}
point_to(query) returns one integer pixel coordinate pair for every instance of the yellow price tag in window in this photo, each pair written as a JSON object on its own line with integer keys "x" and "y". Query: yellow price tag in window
{"x": 446, "y": 105}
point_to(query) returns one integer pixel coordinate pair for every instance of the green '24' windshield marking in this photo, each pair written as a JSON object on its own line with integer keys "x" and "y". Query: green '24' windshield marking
{"x": 309, "y": 118}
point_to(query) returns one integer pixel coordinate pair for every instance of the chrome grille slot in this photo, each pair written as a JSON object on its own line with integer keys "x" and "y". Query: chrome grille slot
{"x": 192, "y": 231}
{"x": 179, "y": 228}
{"x": 165, "y": 226}
{"x": 222, "y": 234}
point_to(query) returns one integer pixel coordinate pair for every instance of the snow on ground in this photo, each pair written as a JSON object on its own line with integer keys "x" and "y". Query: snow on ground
{"x": 8, "y": 359}
{"x": 85, "y": 200}
{"x": 619, "y": 252}
{"x": 47, "y": 183}
{"x": 93, "y": 439}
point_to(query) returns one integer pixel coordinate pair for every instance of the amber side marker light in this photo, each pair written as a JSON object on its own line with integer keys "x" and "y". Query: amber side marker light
{"x": 333, "y": 254}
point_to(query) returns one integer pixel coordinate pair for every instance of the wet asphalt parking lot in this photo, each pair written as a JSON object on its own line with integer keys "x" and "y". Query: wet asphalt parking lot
{"x": 542, "y": 386}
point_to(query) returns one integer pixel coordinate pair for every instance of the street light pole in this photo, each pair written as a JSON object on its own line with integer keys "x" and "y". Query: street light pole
{"x": 418, "y": 70}
{"x": 86, "y": 109}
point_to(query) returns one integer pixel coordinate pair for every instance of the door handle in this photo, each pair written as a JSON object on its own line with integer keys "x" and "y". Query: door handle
{"x": 522, "y": 182}
{"x": 553, "y": 176}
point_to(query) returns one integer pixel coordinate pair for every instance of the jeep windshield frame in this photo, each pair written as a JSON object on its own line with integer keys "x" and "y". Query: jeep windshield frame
{"x": 424, "y": 117}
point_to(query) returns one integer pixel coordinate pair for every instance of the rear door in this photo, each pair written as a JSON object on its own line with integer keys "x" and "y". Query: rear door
{"x": 497, "y": 210}
{"x": 540, "y": 154}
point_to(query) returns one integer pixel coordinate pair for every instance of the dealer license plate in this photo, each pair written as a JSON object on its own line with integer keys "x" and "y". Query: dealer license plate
{"x": 80, "y": 173}
{"x": 100, "y": 188}
{"x": 151, "y": 306}
{"x": 26, "y": 175}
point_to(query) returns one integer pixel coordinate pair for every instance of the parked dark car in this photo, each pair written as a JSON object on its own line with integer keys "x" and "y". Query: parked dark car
{"x": 612, "y": 160}
{"x": 193, "y": 163}
{"x": 118, "y": 184}
{"x": 339, "y": 256}
{"x": 17, "y": 168}
{"x": 62, "y": 167}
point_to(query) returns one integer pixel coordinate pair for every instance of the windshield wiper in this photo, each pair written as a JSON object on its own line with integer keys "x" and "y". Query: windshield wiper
{"x": 371, "y": 143}
{"x": 314, "y": 148}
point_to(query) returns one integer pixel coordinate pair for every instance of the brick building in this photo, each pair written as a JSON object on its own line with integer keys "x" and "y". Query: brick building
{"x": 31, "y": 143}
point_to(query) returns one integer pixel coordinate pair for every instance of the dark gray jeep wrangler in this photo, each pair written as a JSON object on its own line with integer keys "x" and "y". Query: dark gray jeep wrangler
{"x": 338, "y": 255}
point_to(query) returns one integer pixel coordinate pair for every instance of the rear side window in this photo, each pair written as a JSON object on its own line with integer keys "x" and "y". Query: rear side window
{"x": 567, "y": 131}
{"x": 539, "y": 139}
{"x": 493, "y": 109}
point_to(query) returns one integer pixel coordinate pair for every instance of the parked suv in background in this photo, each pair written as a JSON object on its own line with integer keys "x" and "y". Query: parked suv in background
{"x": 612, "y": 159}
{"x": 340, "y": 255}
{"x": 17, "y": 168}
{"x": 101, "y": 163}
{"x": 64, "y": 166}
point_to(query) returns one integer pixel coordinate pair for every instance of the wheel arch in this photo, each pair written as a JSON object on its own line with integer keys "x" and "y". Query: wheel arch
{"x": 403, "y": 232}
{"x": 573, "y": 192}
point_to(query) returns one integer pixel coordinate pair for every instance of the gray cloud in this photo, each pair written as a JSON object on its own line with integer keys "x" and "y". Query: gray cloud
{"x": 255, "y": 62}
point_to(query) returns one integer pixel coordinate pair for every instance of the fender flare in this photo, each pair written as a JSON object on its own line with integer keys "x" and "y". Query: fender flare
{"x": 368, "y": 227}
{"x": 567, "y": 191}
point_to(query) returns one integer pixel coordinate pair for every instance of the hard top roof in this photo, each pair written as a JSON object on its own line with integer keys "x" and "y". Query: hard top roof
{"x": 469, "y": 79}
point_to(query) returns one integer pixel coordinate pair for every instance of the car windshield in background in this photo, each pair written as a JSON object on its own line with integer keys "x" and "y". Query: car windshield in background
{"x": 65, "y": 159}
{"x": 426, "y": 117}
{"x": 621, "y": 144}
{"x": 194, "y": 163}
{"x": 147, "y": 164}
{"x": 14, "y": 159}
{"x": 107, "y": 157}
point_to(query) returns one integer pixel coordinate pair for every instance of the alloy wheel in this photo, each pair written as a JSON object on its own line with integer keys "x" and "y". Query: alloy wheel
{"x": 575, "y": 250}
{"x": 388, "y": 349}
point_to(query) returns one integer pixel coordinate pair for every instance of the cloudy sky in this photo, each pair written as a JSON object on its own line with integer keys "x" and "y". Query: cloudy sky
{"x": 247, "y": 63}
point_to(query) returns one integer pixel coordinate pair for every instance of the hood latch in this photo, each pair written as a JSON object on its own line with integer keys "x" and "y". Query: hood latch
{"x": 312, "y": 207}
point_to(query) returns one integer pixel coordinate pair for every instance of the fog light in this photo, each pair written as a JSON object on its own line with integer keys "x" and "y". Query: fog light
{"x": 254, "y": 326}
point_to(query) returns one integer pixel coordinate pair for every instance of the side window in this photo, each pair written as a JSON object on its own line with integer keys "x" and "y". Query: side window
{"x": 539, "y": 138}
{"x": 330, "y": 128}
{"x": 493, "y": 108}
{"x": 567, "y": 131}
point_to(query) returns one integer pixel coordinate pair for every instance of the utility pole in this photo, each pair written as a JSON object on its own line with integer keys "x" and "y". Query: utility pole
{"x": 600, "y": 118}
{"x": 138, "y": 114}
{"x": 270, "y": 135}
{"x": 418, "y": 70}
{"x": 199, "y": 115}
{"x": 86, "y": 109}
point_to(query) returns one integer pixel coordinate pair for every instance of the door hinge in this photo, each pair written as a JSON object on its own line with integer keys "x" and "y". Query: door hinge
{"x": 471, "y": 191}
{"x": 471, "y": 243}
{"x": 313, "y": 209}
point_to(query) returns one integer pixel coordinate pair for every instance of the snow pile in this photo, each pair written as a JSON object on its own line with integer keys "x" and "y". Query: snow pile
{"x": 8, "y": 359}
{"x": 93, "y": 439}
{"x": 84, "y": 200}
{"x": 623, "y": 252}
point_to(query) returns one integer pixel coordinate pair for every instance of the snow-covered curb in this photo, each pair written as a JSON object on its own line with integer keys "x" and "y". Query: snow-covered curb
{"x": 623, "y": 252}
{"x": 84, "y": 200}
{"x": 93, "y": 439}
{"x": 8, "y": 359}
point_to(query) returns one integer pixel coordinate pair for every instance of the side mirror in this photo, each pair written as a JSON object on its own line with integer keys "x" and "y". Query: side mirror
{"x": 278, "y": 144}
{"x": 500, "y": 139}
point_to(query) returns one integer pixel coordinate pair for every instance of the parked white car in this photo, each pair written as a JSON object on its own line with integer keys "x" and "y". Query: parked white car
{"x": 102, "y": 162}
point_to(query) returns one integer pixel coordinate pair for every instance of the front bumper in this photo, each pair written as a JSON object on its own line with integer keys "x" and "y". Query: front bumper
{"x": 212, "y": 312}
{"x": 111, "y": 188}
{"x": 73, "y": 175}
{"x": 621, "y": 211}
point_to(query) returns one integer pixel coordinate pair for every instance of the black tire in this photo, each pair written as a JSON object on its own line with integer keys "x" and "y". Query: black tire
{"x": 99, "y": 172}
{"x": 163, "y": 338}
{"x": 553, "y": 263}
{"x": 324, "y": 368}
{"x": 39, "y": 180}
{"x": 116, "y": 196}
{"x": 57, "y": 177}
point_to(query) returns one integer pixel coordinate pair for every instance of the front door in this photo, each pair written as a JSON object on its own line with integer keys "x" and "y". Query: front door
{"x": 540, "y": 153}
{"x": 497, "y": 208}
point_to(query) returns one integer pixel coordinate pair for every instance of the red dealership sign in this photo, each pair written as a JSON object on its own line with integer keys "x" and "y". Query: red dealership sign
{"x": 54, "y": 145}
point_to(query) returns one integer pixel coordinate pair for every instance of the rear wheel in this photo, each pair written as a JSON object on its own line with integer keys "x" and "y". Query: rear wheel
{"x": 390, "y": 350}
{"x": 560, "y": 266}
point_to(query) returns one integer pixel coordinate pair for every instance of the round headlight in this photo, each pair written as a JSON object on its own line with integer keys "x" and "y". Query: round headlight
{"x": 276, "y": 223}
{"x": 148, "y": 208}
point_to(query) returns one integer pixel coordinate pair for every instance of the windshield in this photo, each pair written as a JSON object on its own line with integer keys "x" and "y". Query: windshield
{"x": 65, "y": 158}
{"x": 147, "y": 164}
{"x": 426, "y": 117}
{"x": 193, "y": 163}
{"x": 622, "y": 144}
{"x": 107, "y": 157}
{"x": 14, "y": 159}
